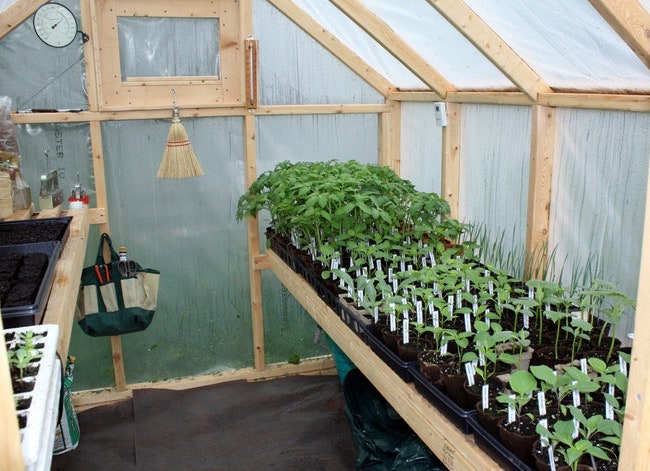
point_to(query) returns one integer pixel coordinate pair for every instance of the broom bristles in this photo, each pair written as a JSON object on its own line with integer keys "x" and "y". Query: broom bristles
{"x": 179, "y": 160}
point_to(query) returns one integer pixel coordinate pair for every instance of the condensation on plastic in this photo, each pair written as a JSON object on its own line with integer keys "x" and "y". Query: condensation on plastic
{"x": 567, "y": 43}
{"x": 149, "y": 47}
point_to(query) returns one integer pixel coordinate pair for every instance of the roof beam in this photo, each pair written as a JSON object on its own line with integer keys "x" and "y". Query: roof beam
{"x": 18, "y": 12}
{"x": 333, "y": 45}
{"x": 631, "y": 21}
{"x": 393, "y": 43}
{"x": 470, "y": 25}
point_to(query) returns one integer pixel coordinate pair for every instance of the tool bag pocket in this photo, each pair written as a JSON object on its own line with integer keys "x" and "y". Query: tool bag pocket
{"x": 111, "y": 303}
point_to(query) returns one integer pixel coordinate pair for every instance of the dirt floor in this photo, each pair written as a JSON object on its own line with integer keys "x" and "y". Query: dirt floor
{"x": 294, "y": 423}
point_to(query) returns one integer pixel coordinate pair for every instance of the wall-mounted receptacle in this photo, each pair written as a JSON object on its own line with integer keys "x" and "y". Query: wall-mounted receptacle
{"x": 441, "y": 113}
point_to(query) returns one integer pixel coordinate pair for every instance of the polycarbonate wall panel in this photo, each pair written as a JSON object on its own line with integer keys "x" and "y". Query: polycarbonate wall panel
{"x": 421, "y": 147}
{"x": 567, "y": 43}
{"x": 494, "y": 172}
{"x": 599, "y": 193}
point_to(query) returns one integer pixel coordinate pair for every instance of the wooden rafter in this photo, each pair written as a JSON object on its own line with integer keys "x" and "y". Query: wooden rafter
{"x": 470, "y": 25}
{"x": 333, "y": 45}
{"x": 14, "y": 15}
{"x": 630, "y": 21}
{"x": 400, "y": 49}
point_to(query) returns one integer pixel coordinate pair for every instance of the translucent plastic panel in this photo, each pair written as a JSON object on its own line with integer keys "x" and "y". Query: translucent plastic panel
{"x": 295, "y": 69}
{"x": 363, "y": 45}
{"x": 599, "y": 194}
{"x": 421, "y": 147}
{"x": 440, "y": 44}
{"x": 567, "y": 43}
{"x": 158, "y": 54}
{"x": 494, "y": 169}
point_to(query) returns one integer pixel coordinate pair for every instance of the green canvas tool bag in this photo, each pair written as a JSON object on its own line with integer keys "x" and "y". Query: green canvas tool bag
{"x": 116, "y": 298}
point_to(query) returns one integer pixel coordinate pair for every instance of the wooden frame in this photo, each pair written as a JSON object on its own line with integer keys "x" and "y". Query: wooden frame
{"x": 152, "y": 92}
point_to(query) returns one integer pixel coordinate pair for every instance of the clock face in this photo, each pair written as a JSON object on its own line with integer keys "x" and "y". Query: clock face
{"x": 55, "y": 25}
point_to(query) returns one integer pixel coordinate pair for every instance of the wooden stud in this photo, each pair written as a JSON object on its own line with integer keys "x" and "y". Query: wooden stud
{"x": 451, "y": 159}
{"x": 542, "y": 150}
{"x": 252, "y": 227}
{"x": 635, "y": 453}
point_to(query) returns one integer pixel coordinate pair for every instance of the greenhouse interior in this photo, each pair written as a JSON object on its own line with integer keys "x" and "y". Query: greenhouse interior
{"x": 333, "y": 235}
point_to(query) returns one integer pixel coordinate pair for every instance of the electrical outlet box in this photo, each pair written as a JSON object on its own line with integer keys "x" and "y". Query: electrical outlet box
{"x": 441, "y": 113}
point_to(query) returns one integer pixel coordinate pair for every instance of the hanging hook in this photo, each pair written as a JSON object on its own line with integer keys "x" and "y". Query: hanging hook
{"x": 175, "y": 104}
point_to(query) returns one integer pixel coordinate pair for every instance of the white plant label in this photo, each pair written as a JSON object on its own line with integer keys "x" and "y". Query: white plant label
{"x": 405, "y": 328}
{"x": 609, "y": 409}
{"x": 394, "y": 286}
{"x": 435, "y": 318}
{"x": 481, "y": 358}
{"x": 491, "y": 288}
{"x": 433, "y": 259}
{"x": 402, "y": 265}
{"x": 576, "y": 395}
{"x": 622, "y": 365}
{"x": 392, "y": 320}
{"x": 543, "y": 438}
{"x": 541, "y": 403}
{"x": 551, "y": 458}
{"x": 390, "y": 274}
{"x": 576, "y": 424}
{"x": 487, "y": 318}
{"x": 409, "y": 267}
{"x": 531, "y": 292}
{"x": 450, "y": 303}
{"x": 485, "y": 396}
{"x": 583, "y": 365}
{"x": 424, "y": 261}
{"x": 418, "y": 312}
{"x": 376, "y": 313}
{"x": 469, "y": 372}
{"x": 526, "y": 319}
{"x": 360, "y": 296}
{"x": 459, "y": 299}
{"x": 435, "y": 288}
{"x": 468, "y": 322}
{"x": 511, "y": 409}
{"x": 379, "y": 264}
{"x": 443, "y": 349}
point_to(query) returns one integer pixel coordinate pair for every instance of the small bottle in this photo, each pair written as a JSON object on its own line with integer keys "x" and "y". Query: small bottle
{"x": 122, "y": 253}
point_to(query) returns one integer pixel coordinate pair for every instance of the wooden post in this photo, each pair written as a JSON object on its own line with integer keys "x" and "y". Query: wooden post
{"x": 450, "y": 185}
{"x": 542, "y": 149}
{"x": 388, "y": 135}
{"x": 255, "y": 274}
{"x": 635, "y": 448}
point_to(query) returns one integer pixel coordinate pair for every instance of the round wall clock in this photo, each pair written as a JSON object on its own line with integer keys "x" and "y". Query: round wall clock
{"x": 55, "y": 24}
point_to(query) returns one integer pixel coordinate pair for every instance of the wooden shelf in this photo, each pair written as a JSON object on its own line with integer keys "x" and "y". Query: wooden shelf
{"x": 456, "y": 450}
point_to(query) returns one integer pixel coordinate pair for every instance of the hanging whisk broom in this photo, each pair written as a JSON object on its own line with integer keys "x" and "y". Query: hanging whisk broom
{"x": 178, "y": 160}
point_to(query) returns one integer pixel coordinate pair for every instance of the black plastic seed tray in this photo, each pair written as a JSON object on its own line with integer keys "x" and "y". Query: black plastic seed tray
{"x": 494, "y": 448}
{"x": 32, "y": 231}
{"x": 27, "y": 274}
{"x": 395, "y": 363}
{"x": 459, "y": 416}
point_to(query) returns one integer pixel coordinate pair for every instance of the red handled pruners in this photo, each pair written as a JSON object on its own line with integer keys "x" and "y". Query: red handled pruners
{"x": 98, "y": 272}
